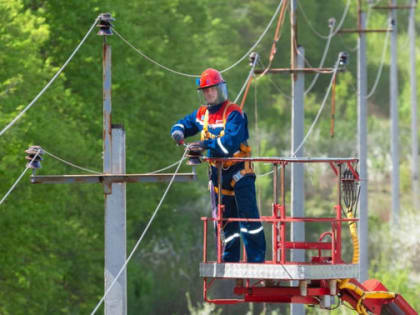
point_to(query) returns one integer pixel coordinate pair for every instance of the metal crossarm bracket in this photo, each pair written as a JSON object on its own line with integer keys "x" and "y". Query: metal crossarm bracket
{"x": 111, "y": 178}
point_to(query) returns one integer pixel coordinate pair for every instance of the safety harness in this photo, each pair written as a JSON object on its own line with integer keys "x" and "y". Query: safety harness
{"x": 244, "y": 151}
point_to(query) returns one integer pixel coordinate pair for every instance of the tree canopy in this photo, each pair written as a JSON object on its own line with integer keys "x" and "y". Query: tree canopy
{"x": 52, "y": 236}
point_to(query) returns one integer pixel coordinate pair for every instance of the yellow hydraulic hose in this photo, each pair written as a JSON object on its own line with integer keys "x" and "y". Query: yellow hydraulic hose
{"x": 345, "y": 284}
{"x": 354, "y": 237}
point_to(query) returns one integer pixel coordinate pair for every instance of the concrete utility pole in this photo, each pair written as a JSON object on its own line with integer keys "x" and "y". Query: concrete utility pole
{"x": 413, "y": 84}
{"x": 114, "y": 181}
{"x": 297, "y": 70}
{"x": 393, "y": 95}
{"x": 362, "y": 146}
{"x": 115, "y": 230}
{"x": 298, "y": 130}
{"x": 115, "y": 194}
{"x": 297, "y": 171}
{"x": 363, "y": 229}
{"x": 395, "y": 174}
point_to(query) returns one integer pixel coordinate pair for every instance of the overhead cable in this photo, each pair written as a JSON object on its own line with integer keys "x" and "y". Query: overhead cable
{"x": 51, "y": 81}
{"x": 343, "y": 17}
{"x": 97, "y": 172}
{"x": 70, "y": 163}
{"x": 152, "y": 60}
{"x": 20, "y": 177}
{"x": 321, "y": 108}
{"x": 141, "y": 237}
{"x": 381, "y": 66}
{"x": 334, "y": 73}
{"x": 196, "y": 75}
{"x": 274, "y": 84}
{"x": 167, "y": 167}
{"x": 321, "y": 64}
{"x": 276, "y": 38}
{"x": 250, "y": 74}
{"x": 258, "y": 40}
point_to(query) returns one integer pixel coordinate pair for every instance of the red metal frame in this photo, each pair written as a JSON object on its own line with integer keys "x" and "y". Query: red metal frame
{"x": 305, "y": 293}
{"x": 279, "y": 219}
{"x": 280, "y": 223}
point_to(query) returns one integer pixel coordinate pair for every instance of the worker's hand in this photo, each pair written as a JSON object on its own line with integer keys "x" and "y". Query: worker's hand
{"x": 178, "y": 136}
{"x": 196, "y": 148}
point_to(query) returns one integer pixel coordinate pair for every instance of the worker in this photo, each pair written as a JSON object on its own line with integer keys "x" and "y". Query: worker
{"x": 224, "y": 133}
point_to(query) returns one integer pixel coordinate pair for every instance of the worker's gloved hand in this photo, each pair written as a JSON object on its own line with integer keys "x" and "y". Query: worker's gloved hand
{"x": 178, "y": 136}
{"x": 196, "y": 148}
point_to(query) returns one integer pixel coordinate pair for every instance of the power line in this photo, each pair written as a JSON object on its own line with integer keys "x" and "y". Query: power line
{"x": 51, "y": 81}
{"x": 274, "y": 84}
{"x": 310, "y": 23}
{"x": 141, "y": 237}
{"x": 258, "y": 41}
{"x": 196, "y": 75}
{"x": 152, "y": 60}
{"x": 321, "y": 64}
{"x": 70, "y": 163}
{"x": 167, "y": 167}
{"x": 152, "y": 172}
{"x": 19, "y": 178}
{"x": 325, "y": 37}
{"x": 317, "y": 115}
{"x": 321, "y": 108}
{"x": 97, "y": 172}
{"x": 379, "y": 73}
{"x": 251, "y": 72}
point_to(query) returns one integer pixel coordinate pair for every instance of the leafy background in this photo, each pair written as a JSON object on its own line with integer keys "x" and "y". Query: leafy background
{"x": 51, "y": 236}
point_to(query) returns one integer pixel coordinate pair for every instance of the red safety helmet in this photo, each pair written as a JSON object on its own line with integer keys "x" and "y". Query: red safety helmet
{"x": 212, "y": 78}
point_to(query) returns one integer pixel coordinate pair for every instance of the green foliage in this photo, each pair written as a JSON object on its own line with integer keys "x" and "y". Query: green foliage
{"x": 52, "y": 235}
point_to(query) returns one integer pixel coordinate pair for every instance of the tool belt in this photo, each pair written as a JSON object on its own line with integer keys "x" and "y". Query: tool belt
{"x": 236, "y": 178}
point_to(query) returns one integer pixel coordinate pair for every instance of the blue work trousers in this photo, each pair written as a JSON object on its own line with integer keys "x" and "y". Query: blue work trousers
{"x": 242, "y": 205}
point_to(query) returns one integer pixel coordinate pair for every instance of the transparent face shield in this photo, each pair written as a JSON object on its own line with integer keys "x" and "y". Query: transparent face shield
{"x": 213, "y": 95}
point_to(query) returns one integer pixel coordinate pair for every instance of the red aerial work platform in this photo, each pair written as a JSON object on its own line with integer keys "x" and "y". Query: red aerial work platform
{"x": 325, "y": 279}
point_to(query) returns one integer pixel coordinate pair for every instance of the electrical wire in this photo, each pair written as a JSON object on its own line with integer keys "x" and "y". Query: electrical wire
{"x": 277, "y": 35}
{"x": 368, "y": 13}
{"x": 310, "y": 23}
{"x": 152, "y": 60}
{"x": 167, "y": 167}
{"x": 196, "y": 75}
{"x": 279, "y": 90}
{"x": 141, "y": 237}
{"x": 19, "y": 178}
{"x": 321, "y": 108}
{"x": 334, "y": 73}
{"x": 379, "y": 73}
{"x": 97, "y": 172}
{"x": 250, "y": 74}
{"x": 70, "y": 163}
{"x": 51, "y": 81}
{"x": 159, "y": 170}
{"x": 273, "y": 83}
{"x": 321, "y": 64}
{"x": 258, "y": 40}
{"x": 343, "y": 17}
